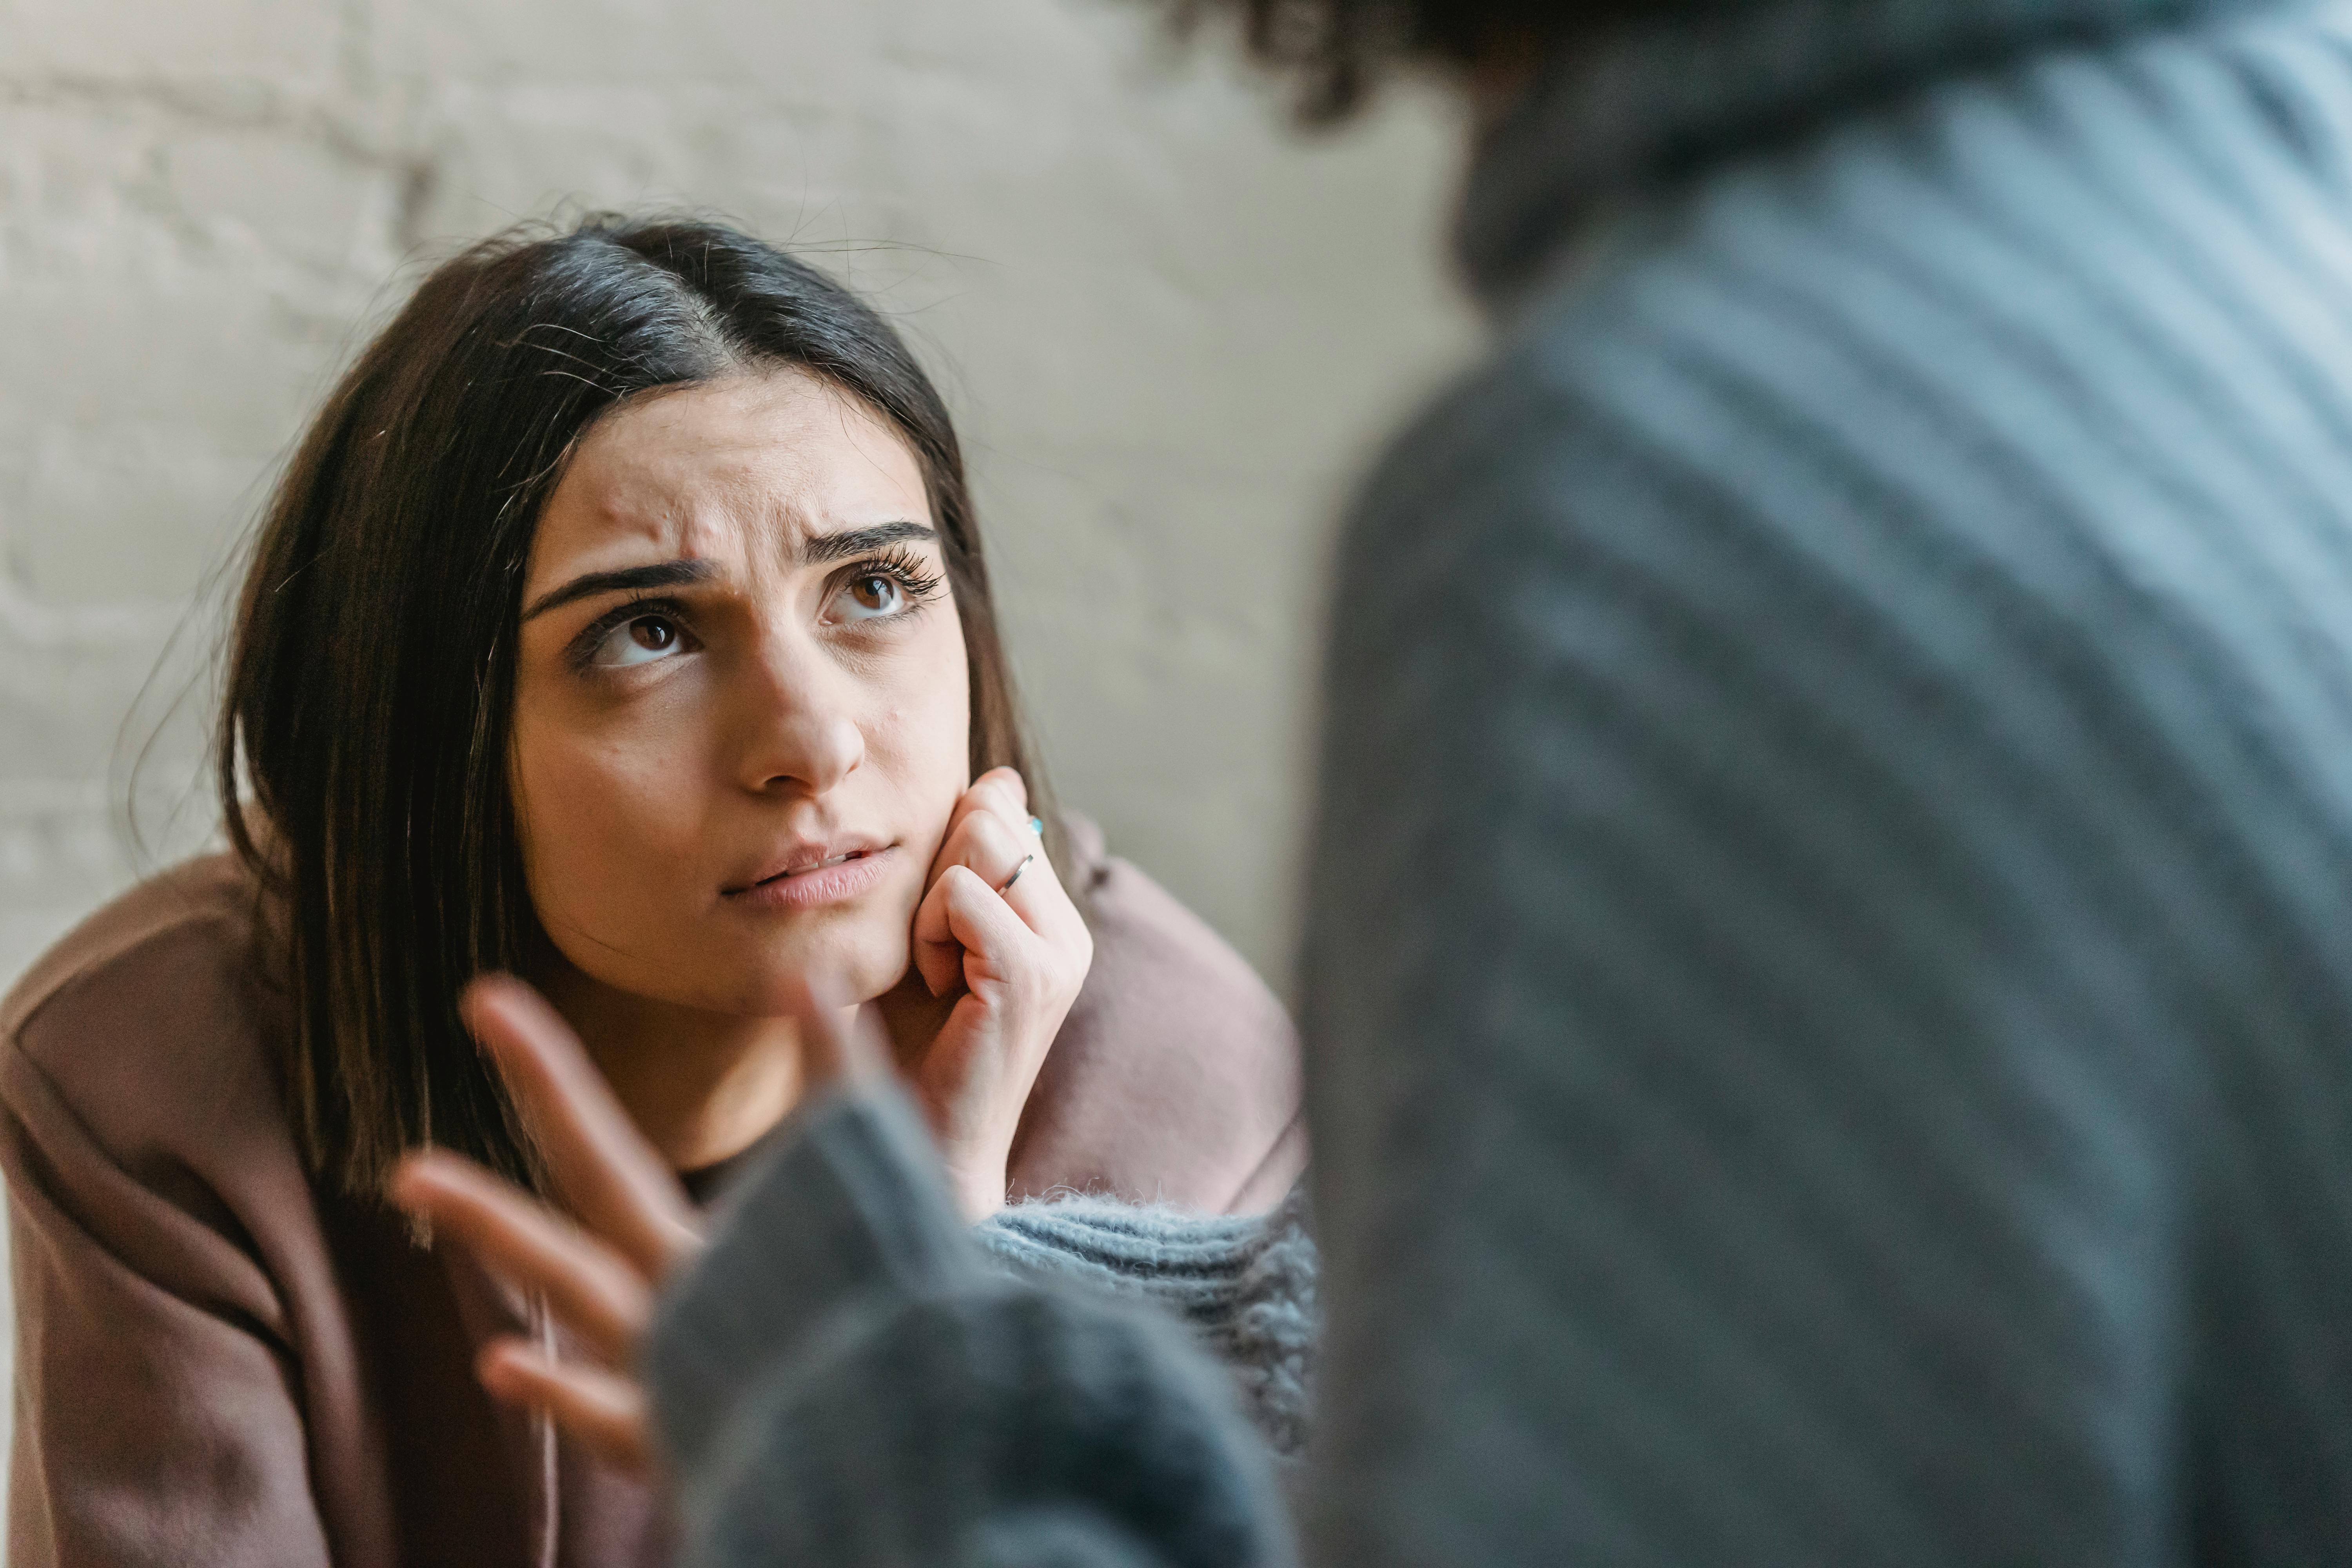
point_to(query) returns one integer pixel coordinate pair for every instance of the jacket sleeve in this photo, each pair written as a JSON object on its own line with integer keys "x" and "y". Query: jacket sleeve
{"x": 842, "y": 1378}
{"x": 156, "y": 1417}
{"x": 1175, "y": 1078}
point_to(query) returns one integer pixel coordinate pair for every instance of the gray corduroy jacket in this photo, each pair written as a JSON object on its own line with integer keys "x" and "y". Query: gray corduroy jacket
{"x": 1829, "y": 977}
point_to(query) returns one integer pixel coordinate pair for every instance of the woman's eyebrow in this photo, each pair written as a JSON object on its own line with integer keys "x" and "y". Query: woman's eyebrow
{"x": 824, "y": 547}
{"x": 813, "y": 551}
{"x": 631, "y": 579}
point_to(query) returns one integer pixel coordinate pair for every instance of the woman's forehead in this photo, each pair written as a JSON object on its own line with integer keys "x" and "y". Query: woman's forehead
{"x": 750, "y": 467}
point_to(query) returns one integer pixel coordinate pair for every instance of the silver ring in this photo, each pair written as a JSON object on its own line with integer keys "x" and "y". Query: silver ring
{"x": 1016, "y": 875}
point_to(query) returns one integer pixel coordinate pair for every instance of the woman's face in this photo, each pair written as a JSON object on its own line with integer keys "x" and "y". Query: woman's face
{"x": 742, "y": 706}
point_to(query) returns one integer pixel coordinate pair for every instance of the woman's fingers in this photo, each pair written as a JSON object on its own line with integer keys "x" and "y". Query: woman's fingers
{"x": 613, "y": 1179}
{"x": 992, "y": 840}
{"x": 999, "y": 794}
{"x": 1000, "y": 790}
{"x": 996, "y": 921}
{"x": 1011, "y": 862}
{"x": 996, "y": 853}
{"x": 977, "y": 1075}
{"x": 1037, "y": 896}
{"x": 979, "y": 922}
{"x": 594, "y": 1288}
{"x": 602, "y": 1410}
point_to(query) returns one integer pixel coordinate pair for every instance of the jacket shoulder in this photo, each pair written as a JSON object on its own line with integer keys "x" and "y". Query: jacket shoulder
{"x": 152, "y": 1022}
{"x": 210, "y": 902}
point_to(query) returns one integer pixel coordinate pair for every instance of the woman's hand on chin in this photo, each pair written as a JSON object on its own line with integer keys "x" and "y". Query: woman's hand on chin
{"x": 998, "y": 924}
{"x": 629, "y": 1224}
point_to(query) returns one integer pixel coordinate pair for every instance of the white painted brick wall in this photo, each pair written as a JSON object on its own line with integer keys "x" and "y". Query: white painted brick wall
{"x": 1169, "y": 330}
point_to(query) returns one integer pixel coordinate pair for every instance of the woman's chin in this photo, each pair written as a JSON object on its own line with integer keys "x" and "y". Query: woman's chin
{"x": 842, "y": 961}
{"x": 840, "y": 973}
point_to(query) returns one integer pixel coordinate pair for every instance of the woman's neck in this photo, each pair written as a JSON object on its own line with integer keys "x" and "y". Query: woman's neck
{"x": 702, "y": 1087}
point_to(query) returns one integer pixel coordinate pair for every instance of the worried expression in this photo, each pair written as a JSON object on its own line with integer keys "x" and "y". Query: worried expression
{"x": 742, "y": 702}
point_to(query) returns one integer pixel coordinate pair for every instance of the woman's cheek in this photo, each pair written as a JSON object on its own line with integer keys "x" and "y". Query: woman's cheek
{"x": 598, "y": 824}
{"x": 930, "y": 762}
{"x": 946, "y": 722}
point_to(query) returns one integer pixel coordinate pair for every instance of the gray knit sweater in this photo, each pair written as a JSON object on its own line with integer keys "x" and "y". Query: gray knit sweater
{"x": 1244, "y": 1285}
{"x": 850, "y": 1376}
{"x": 1828, "y": 973}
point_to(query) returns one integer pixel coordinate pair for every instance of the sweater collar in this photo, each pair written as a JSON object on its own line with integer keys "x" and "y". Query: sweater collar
{"x": 1670, "y": 98}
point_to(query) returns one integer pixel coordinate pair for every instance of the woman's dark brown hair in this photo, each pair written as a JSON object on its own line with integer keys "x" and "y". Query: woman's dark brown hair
{"x": 362, "y": 747}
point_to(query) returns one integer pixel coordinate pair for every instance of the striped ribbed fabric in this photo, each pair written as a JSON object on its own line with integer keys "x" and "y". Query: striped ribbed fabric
{"x": 1244, "y": 1285}
{"x": 1829, "y": 988}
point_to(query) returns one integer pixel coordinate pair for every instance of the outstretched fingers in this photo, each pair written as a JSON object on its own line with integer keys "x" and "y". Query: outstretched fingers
{"x": 600, "y": 1409}
{"x": 600, "y": 1294}
{"x": 614, "y": 1181}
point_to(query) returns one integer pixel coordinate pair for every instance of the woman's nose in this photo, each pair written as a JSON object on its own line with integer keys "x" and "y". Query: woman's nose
{"x": 800, "y": 728}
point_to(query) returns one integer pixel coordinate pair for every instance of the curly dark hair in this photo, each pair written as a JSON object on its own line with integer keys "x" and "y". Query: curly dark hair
{"x": 1336, "y": 51}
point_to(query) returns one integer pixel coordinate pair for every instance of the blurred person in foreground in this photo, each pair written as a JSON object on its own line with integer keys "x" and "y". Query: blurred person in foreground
{"x": 1827, "y": 983}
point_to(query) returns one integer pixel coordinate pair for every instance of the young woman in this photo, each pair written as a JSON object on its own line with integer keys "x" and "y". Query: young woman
{"x": 622, "y": 623}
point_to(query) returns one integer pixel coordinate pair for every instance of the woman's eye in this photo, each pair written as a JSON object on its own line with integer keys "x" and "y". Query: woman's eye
{"x": 873, "y": 594}
{"x": 641, "y": 641}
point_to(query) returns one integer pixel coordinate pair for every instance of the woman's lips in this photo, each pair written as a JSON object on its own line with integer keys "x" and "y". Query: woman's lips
{"x": 832, "y": 883}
